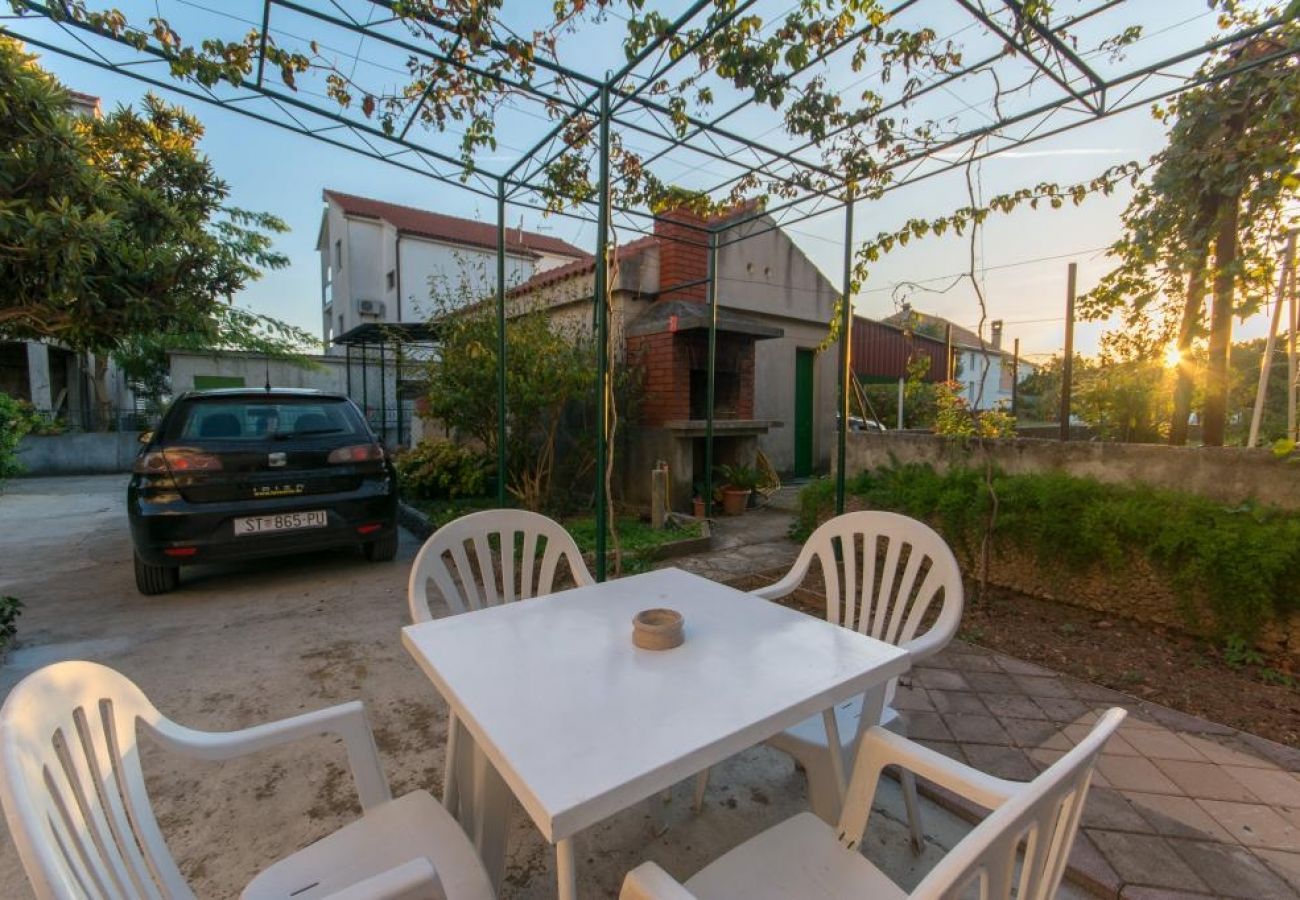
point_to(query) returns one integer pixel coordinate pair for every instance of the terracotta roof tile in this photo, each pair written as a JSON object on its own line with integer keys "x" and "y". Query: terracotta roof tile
{"x": 454, "y": 230}
{"x": 962, "y": 337}
{"x": 579, "y": 267}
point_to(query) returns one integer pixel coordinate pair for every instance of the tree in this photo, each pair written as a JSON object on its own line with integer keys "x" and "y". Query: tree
{"x": 548, "y": 374}
{"x": 1218, "y": 197}
{"x": 1125, "y": 394}
{"x": 114, "y": 233}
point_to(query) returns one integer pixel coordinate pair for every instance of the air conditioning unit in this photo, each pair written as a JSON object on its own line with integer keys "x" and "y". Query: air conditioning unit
{"x": 370, "y": 308}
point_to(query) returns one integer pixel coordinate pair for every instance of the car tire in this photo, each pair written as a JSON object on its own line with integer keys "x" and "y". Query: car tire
{"x": 381, "y": 550}
{"x": 151, "y": 579}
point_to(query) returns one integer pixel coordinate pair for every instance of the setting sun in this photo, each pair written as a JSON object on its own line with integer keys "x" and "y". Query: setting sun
{"x": 1172, "y": 356}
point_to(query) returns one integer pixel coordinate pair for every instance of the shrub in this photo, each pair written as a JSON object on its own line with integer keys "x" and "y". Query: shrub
{"x": 443, "y": 470}
{"x": 10, "y": 609}
{"x": 15, "y": 422}
{"x": 1242, "y": 560}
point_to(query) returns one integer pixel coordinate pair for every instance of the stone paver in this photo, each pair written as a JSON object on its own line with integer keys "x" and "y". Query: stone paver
{"x": 1180, "y": 807}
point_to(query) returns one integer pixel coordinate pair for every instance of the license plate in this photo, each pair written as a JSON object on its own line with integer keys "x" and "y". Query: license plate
{"x": 283, "y": 522}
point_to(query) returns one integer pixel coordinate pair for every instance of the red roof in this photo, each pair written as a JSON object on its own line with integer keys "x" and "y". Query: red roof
{"x": 451, "y": 229}
{"x": 580, "y": 267}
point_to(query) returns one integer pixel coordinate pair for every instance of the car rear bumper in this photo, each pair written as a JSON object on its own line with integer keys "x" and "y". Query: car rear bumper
{"x": 170, "y": 531}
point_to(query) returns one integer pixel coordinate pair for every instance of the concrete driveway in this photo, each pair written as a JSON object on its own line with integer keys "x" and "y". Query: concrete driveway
{"x": 241, "y": 644}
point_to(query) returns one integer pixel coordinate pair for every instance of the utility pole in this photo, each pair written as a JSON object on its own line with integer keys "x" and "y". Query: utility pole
{"x": 1015, "y": 377}
{"x": 1291, "y": 361}
{"x": 1284, "y": 290}
{"x": 947, "y": 340}
{"x": 1067, "y": 365}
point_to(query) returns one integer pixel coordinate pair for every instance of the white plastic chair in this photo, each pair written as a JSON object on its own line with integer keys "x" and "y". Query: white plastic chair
{"x": 492, "y": 579}
{"x": 884, "y": 604}
{"x": 74, "y": 796}
{"x": 1023, "y": 845}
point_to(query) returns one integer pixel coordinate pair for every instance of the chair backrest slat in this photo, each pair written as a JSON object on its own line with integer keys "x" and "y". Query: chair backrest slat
{"x": 495, "y": 535}
{"x": 1030, "y": 834}
{"x": 73, "y": 791}
{"x": 892, "y": 607}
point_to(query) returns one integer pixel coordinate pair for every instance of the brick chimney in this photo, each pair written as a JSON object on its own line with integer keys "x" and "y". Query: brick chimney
{"x": 683, "y": 256}
{"x": 995, "y": 327}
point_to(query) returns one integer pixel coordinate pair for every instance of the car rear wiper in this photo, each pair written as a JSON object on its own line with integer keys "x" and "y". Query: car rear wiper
{"x": 310, "y": 432}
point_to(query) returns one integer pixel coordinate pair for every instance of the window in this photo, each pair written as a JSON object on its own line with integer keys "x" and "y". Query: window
{"x": 338, "y": 255}
{"x": 251, "y": 418}
{"x": 392, "y": 279}
{"x": 340, "y": 328}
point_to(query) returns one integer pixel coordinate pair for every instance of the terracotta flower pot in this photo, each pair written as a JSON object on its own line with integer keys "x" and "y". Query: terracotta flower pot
{"x": 698, "y": 505}
{"x": 734, "y": 500}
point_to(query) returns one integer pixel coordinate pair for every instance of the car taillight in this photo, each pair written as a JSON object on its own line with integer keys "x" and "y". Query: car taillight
{"x": 152, "y": 463}
{"x": 183, "y": 459}
{"x": 356, "y": 453}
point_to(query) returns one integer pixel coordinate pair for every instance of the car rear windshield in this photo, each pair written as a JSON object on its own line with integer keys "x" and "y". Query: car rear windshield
{"x": 270, "y": 418}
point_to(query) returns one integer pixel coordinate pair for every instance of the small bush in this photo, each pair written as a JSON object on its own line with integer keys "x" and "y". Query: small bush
{"x": 15, "y": 421}
{"x": 1243, "y": 560}
{"x": 443, "y": 470}
{"x": 10, "y": 609}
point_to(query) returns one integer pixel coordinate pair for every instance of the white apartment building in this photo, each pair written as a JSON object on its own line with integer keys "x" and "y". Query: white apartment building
{"x": 386, "y": 263}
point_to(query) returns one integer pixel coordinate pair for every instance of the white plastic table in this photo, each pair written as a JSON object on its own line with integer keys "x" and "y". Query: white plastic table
{"x": 562, "y": 710}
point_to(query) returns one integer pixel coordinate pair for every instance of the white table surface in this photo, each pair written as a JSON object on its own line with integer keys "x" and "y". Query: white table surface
{"x": 581, "y": 724}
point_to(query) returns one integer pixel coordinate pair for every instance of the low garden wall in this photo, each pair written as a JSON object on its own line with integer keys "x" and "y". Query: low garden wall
{"x": 88, "y": 453}
{"x": 1202, "y": 541}
{"x": 1225, "y": 474}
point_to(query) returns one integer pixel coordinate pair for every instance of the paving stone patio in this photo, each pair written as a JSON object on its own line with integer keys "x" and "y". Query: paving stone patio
{"x": 1180, "y": 806}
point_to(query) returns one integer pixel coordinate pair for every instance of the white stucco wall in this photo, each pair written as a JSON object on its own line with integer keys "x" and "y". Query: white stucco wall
{"x": 433, "y": 271}
{"x": 768, "y": 273}
{"x": 767, "y": 276}
{"x": 326, "y": 374}
{"x": 973, "y": 364}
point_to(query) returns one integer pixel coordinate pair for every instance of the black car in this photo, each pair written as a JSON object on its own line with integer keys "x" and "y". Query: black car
{"x": 241, "y": 473}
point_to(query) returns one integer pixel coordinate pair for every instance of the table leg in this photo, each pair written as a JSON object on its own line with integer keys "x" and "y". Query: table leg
{"x": 836, "y": 749}
{"x": 565, "y": 872}
{"x": 873, "y": 706}
{"x": 483, "y": 803}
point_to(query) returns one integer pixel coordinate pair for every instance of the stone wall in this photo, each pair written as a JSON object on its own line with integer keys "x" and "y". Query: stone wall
{"x": 89, "y": 453}
{"x": 1227, "y": 474}
{"x": 1137, "y": 591}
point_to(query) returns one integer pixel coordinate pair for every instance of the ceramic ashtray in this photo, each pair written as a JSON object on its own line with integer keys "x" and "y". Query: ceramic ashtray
{"x": 658, "y": 629}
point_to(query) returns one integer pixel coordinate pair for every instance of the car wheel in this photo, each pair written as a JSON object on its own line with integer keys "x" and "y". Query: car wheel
{"x": 381, "y": 550}
{"x": 151, "y": 579}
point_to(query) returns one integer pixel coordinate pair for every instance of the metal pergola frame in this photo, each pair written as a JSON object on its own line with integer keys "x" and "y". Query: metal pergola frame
{"x": 611, "y": 101}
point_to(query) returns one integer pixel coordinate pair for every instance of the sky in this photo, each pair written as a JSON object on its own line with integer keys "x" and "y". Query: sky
{"x": 1022, "y": 258}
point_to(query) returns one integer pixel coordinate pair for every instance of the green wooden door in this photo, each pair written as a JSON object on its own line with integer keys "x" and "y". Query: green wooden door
{"x": 803, "y": 413}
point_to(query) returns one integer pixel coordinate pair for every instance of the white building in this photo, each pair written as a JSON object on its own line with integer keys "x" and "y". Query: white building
{"x": 982, "y": 369}
{"x": 382, "y": 262}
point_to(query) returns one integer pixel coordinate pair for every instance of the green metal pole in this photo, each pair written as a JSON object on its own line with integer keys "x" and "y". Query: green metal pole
{"x": 501, "y": 342}
{"x": 602, "y": 336}
{"x": 713, "y": 366}
{"x": 846, "y": 351}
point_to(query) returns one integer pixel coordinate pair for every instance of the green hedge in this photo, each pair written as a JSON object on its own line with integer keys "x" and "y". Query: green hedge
{"x": 1243, "y": 560}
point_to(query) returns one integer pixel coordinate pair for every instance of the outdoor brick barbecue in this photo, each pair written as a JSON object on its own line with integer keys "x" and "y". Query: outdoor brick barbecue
{"x": 669, "y": 343}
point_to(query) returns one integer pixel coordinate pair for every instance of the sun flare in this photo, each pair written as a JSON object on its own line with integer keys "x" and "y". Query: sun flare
{"x": 1172, "y": 356}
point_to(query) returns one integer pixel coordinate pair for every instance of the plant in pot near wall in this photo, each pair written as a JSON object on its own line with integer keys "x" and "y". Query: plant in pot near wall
{"x": 738, "y": 483}
{"x": 697, "y": 500}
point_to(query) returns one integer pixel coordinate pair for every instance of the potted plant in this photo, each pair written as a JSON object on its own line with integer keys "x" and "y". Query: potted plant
{"x": 697, "y": 501}
{"x": 739, "y": 483}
